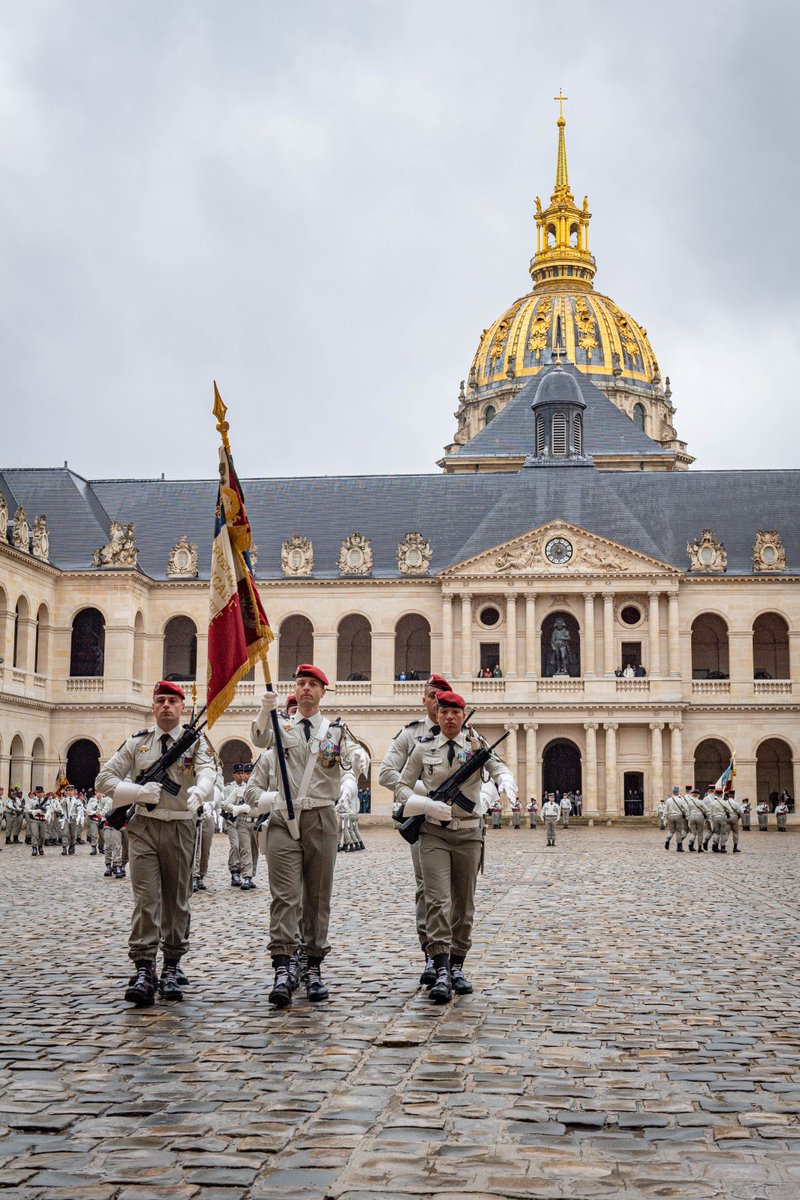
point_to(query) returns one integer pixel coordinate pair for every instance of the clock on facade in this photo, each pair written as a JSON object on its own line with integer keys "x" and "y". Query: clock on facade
{"x": 559, "y": 551}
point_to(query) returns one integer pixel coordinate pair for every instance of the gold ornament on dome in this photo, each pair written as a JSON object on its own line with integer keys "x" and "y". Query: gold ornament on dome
{"x": 413, "y": 555}
{"x": 182, "y": 561}
{"x": 501, "y": 332}
{"x": 768, "y": 551}
{"x": 707, "y": 554}
{"x": 355, "y": 556}
{"x": 21, "y": 531}
{"x": 627, "y": 335}
{"x": 297, "y": 556}
{"x": 586, "y": 327}
{"x": 540, "y": 328}
{"x": 120, "y": 549}
{"x": 40, "y": 539}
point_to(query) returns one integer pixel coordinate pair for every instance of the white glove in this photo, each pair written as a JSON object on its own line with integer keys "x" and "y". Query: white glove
{"x": 269, "y": 704}
{"x": 194, "y": 798}
{"x": 434, "y": 810}
{"x": 508, "y": 785}
{"x": 265, "y": 802}
{"x": 359, "y": 761}
{"x": 127, "y": 792}
{"x": 208, "y": 809}
{"x": 238, "y": 809}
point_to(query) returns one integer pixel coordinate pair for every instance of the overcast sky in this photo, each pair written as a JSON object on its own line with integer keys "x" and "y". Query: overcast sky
{"x": 322, "y": 204}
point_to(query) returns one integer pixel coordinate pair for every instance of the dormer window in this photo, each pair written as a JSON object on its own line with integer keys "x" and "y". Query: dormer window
{"x": 638, "y": 416}
{"x": 489, "y": 414}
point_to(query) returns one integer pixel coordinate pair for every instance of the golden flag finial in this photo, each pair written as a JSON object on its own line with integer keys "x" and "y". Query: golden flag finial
{"x": 219, "y": 410}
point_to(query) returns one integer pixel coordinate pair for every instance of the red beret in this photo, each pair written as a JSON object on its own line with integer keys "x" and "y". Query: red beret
{"x": 450, "y": 699}
{"x": 291, "y": 700}
{"x": 438, "y": 682}
{"x": 311, "y": 672}
{"x": 167, "y": 688}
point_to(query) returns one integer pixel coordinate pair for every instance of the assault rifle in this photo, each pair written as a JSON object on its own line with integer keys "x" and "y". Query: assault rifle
{"x": 118, "y": 818}
{"x": 450, "y": 791}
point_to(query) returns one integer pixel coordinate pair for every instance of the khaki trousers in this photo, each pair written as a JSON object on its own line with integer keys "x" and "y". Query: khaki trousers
{"x": 420, "y": 906}
{"x": 253, "y": 847}
{"x": 449, "y": 859}
{"x": 240, "y": 858}
{"x": 301, "y": 880}
{"x": 696, "y": 826}
{"x": 37, "y": 833}
{"x": 206, "y": 838}
{"x": 113, "y": 847}
{"x": 676, "y": 825}
{"x": 161, "y": 878}
{"x": 720, "y": 828}
{"x": 550, "y": 828}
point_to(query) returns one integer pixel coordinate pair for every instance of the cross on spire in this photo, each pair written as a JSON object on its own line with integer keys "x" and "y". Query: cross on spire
{"x": 561, "y": 98}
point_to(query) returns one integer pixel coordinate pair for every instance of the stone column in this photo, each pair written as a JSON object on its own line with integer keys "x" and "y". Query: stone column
{"x": 608, "y": 633}
{"x": 654, "y": 634}
{"x": 740, "y": 654}
{"x": 508, "y": 750}
{"x": 674, "y": 636}
{"x": 447, "y": 636}
{"x": 590, "y": 805}
{"x": 382, "y": 656}
{"x": 531, "y": 640}
{"x": 657, "y": 760}
{"x": 676, "y": 757}
{"x": 325, "y": 643}
{"x": 466, "y": 635}
{"x": 745, "y": 782}
{"x": 612, "y": 791}
{"x": 531, "y": 764}
{"x": 511, "y": 636}
{"x": 588, "y": 636}
{"x": 794, "y": 658}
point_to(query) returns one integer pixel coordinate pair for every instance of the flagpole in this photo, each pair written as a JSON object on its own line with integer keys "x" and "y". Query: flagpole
{"x": 220, "y": 411}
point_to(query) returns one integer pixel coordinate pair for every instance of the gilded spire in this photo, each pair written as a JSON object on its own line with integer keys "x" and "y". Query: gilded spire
{"x": 562, "y": 260}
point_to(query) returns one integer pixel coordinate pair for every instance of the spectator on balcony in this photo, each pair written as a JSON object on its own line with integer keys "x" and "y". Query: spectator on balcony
{"x": 627, "y": 671}
{"x": 497, "y": 673}
{"x": 639, "y": 672}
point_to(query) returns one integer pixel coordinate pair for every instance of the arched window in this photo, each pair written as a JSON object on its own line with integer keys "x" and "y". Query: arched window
{"x": 770, "y": 647}
{"x": 559, "y": 433}
{"x": 354, "y": 648}
{"x": 551, "y": 235}
{"x": 41, "y": 653}
{"x": 561, "y": 645}
{"x": 16, "y": 766}
{"x": 296, "y": 645}
{"x": 37, "y": 765}
{"x": 83, "y": 763}
{"x": 710, "y": 647}
{"x": 773, "y": 769}
{"x": 412, "y": 647}
{"x": 577, "y": 433}
{"x": 638, "y": 416}
{"x": 710, "y": 759}
{"x": 490, "y": 412}
{"x": 234, "y": 751}
{"x": 573, "y": 238}
{"x": 180, "y": 649}
{"x": 88, "y": 645}
{"x": 21, "y": 615}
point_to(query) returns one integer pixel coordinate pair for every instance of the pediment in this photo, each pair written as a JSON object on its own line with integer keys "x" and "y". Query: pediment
{"x": 561, "y": 550}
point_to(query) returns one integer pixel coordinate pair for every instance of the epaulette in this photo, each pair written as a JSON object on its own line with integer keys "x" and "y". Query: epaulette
{"x": 141, "y": 733}
{"x": 411, "y": 724}
{"x": 430, "y": 738}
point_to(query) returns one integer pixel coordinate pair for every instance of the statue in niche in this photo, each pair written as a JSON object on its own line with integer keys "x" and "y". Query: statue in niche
{"x": 560, "y": 648}
{"x": 3, "y": 518}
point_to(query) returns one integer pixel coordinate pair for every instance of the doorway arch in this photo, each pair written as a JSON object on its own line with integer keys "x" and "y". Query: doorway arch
{"x": 561, "y": 767}
{"x": 83, "y": 763}
{"x": 233, "y": 751}
{"x": 710, "y": 759}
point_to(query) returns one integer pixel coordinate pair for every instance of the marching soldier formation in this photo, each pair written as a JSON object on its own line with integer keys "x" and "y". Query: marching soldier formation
{"x": 711, "y": 819}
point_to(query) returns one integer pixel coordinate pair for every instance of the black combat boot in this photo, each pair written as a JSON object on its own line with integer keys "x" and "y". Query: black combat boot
{"x": 714, "y": 848}
{"x": 247, "y": 884}
{"x": 680, "y": 847}
{"x": 34, "y": 852}
{"x": 691, "y": 847}
{"x": 195, "y": 882}
{"x": 722, "y": 850}
{"x": 180, "y": 976}
{"x": 315, "y": 988}
{"x": 461, "y": 985}
{"x": 201, "y": 884}
{"x": 109, "y": 871}
{"x": 281, "y": 994}
{"x": 236, "y": 879}
{"x": 666, "y": 843}
{"x": 93, "y": 850}
{"x": 168, "y": 984}
{"x": 119, "y": 872}
{"x": 64, "y": 850}
{"x": 736, "y": 850}
{"x": 442, "y": 990}
{"x": 141, "y": 989}
{"x": 71, "y": 850}
{"x": 428, "y": 976}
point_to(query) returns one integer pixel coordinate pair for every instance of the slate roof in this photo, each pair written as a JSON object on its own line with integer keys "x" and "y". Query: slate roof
{"x": 606, "y": 430}
{"x": 654, "y": 512}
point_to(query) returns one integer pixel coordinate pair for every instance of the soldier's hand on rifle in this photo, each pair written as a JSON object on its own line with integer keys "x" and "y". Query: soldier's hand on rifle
{"x": 194, "y": 798}
{"x": 434, "y": 810}
{"x": 127, "y": 792}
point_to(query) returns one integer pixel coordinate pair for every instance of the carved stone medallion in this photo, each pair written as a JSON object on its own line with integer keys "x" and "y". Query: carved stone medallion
{"x": 768, "y": 551}
{"x": 41, "y": 539}
{"x": 120, "y": 550}
{"x": 707, "y": 554}
{"x": 297, "y": 556}
{"x": 355, "y": 556}
{"x": 414, "y": 555}
{"x": 21, "y": 532}
{"x": 182, "y": 562}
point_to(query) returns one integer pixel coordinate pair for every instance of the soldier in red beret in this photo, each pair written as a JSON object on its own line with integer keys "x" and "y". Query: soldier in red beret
{"x": 317, "y": 754}
{"x": 450, "y": 840}
{"x": 394, "y": 760}
{"x": 161, "y": 841}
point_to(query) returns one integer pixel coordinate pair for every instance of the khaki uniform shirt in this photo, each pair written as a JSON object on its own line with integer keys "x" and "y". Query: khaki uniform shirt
{"x": 428, "y": 762}
{"x": 334, "y": 747}
{"x": 144, "y": 749}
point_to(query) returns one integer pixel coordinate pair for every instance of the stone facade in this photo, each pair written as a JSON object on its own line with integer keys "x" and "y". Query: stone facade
{"x": 650, "y": 725}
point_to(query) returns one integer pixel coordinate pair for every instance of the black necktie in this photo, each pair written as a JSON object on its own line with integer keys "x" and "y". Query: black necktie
{"x": 451, "y": 752}
{"x": 306, "y": 723}
{"x": 165, "y": 740}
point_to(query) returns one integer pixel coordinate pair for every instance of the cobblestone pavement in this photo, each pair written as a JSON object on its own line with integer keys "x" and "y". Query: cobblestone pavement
{"x": 633, "y": 1033}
